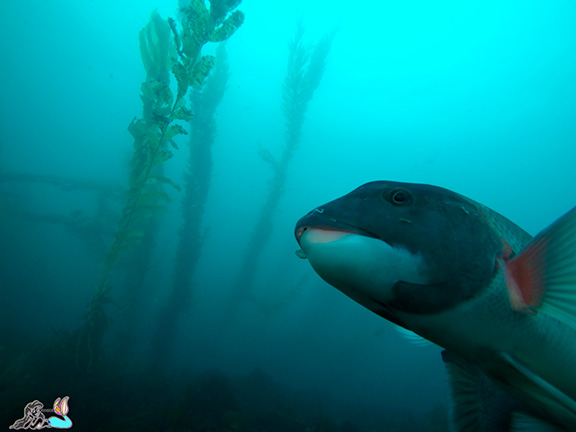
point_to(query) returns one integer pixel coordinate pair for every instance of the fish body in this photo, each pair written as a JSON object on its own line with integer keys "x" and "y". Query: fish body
{"x": 464, "y": 277}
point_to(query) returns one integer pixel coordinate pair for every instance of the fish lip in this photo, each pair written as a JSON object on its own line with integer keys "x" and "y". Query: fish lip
{"x": 319, "y": 218}
{"x": 301, "y": 229}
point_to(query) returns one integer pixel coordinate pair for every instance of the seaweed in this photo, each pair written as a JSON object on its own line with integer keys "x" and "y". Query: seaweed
{"x": 306, "y": 66}
{"x": 204, "y": 101}
{"x": 164, "y": 48}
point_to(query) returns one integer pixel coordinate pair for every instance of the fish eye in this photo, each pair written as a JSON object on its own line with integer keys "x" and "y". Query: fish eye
{"x": 400, "y": 197}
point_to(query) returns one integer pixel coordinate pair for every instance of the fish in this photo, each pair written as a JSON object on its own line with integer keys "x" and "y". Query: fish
{"x": 501, "y": 303}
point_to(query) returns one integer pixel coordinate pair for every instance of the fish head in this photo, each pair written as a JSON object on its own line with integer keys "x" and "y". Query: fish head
{"x": 394, "y": 246}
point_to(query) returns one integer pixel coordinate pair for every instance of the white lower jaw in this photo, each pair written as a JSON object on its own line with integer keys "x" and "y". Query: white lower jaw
{"x": 360, "y": 266}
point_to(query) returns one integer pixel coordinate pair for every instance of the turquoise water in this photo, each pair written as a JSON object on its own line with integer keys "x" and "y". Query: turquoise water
{"x": 477, "y": 97}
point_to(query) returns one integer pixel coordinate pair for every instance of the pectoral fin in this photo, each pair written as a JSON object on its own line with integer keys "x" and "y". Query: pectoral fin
{"x": 479, "y": 405}
{"x": 542, "y": 278}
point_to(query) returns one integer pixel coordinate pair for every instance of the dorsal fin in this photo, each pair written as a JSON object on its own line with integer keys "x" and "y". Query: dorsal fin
{"x": 543, "y": 276}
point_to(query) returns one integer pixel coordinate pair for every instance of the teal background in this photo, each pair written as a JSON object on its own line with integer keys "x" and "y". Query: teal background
{"x": 478, "y": 97}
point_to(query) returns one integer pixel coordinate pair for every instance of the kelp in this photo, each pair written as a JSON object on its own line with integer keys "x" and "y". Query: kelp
{"x": 202, "y": 23}
{"x": 64, "y": 183}
{"x": 306, "y": 66}
{"x": 156, "y": 48}
{"x": 95, "y": 230}
{"x": 204, "y": 101}
{"x": 164, "y": 48}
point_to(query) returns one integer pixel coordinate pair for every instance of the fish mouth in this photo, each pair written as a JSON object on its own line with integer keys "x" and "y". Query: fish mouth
{"x": 326, "y": 229}
{"x": 326, "y": 234}
{"x": 364, "y": 267}
{"x": 322, "y": 218}
{"x": 336, "y": 227}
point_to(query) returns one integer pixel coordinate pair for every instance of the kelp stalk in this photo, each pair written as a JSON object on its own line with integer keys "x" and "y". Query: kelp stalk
{"x": 306, "y": 66}
{"x": 161, "y": 45}
{"x": 204, "y": 101}
{"x": 192, "y": 234}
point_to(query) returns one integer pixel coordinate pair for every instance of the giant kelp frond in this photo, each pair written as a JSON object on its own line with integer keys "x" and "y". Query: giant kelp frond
{"x": 156, "y": 48}
{"x": 306, "y": 65}
{"x": 298, "y": 55}
{"x": 294, "y": 102}
{"x": 204, "y": 100}
{"x": 227, "y": 28}
{"x": 317, "y": 63}
{"x": 202, "y": 24}
{"x": 219, "y": 9}
{"x": 162, "y": 45}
